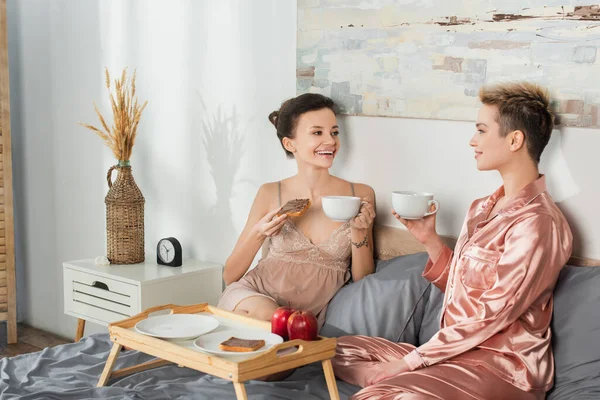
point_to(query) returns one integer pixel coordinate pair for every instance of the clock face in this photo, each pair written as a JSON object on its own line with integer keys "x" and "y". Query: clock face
{"x": 166, "y": 251}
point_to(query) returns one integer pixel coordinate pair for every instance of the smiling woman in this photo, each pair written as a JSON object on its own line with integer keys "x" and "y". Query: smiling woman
{"x": 309, "y": 255}
{"x": 286, "y": 119}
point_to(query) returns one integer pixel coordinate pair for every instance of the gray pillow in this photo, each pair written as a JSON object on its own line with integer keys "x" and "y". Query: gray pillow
{"x": 387, "y": 304}
{"x": 576, "y": 334}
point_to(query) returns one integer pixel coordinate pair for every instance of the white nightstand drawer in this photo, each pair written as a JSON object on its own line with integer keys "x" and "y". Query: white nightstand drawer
{"x": 102, "y": 283}
{"x": 97, "y": 314}
{"x": 115, "y": 297}
{"x": 125, "y": 309}
{"x": 101, "y": 298}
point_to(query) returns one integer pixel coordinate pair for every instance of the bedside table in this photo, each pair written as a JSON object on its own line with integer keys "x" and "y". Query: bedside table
{"x": 105, "y": 294}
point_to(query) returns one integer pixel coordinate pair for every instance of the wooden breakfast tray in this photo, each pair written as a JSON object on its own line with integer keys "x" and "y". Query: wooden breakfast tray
{"x": 184, "y": 354}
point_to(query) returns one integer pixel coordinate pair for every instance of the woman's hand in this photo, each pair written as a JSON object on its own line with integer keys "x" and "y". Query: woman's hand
{"x": 270, "y": 224}
{"x": 422, "y": 229}
{"x": 365, "y": 216}
{"x": 385, "y": 370}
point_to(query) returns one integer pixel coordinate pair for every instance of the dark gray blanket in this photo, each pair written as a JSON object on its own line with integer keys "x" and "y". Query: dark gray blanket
{"x": 72, "y": 371}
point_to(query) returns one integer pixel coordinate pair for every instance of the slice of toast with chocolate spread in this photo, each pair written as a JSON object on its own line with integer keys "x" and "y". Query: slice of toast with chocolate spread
{"x": 295, "y": 207}
{"x": 241, "y": 345}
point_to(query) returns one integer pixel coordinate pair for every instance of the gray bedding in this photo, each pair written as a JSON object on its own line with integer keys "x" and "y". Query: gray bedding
{"x": 396, "y": 303}
{"x": 71, "y": 371}
{"x": 392, "y": 304}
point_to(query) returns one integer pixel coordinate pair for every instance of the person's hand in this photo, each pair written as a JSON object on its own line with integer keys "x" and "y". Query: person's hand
{"x": 365, "y": 216}
{"x": 422, "y": 229}
{"x": 385, "y": 370}
{"x": 270, "y": 224}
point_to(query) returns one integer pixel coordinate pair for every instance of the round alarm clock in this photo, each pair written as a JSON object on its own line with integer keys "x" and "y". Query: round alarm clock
{"x": 168, "y": 252}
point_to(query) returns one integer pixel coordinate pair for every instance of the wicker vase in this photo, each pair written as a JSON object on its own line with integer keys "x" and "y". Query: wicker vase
{"x": 124, "y": 217}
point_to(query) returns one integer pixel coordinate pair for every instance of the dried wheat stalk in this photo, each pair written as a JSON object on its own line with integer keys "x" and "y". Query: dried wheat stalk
{"x": 126, "y": 113}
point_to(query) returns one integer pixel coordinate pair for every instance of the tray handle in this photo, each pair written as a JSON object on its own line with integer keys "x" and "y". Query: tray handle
{"x": 278, "y": 353}
{"x": 154, "y": 309}
{"x": 176, "y": 309}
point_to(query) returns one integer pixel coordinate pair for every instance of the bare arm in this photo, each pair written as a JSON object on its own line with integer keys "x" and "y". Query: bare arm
{"x": 361, "y": 235}
{"x": 261, "y": 224}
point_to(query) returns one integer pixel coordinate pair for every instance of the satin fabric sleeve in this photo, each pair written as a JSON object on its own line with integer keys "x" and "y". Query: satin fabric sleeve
{"x": 437, "y": 271}
{"x": 528, "y": 267}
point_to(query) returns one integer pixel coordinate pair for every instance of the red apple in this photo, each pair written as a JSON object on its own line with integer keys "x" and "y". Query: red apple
{"x": 302, "y": 325}
{"x": 279, "y": 321}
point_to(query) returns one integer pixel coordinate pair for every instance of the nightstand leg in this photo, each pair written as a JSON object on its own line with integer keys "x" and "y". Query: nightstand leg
{"x": 330, "y": 378}
{"x": 240, "y": 391}
{"x": 80, "y": 328}
{"x": 110, "y": 363}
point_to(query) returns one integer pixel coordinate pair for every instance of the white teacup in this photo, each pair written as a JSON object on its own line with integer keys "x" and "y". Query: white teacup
{"x": 413, "y": 205}
{"x": 341, "y": 208}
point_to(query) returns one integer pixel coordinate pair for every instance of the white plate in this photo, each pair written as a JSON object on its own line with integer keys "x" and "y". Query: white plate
{"x": 210, "y": 343}
{"x": 177, "y": 326}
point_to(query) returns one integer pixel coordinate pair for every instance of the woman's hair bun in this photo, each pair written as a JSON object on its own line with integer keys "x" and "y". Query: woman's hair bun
{"x": 273, "y": 117}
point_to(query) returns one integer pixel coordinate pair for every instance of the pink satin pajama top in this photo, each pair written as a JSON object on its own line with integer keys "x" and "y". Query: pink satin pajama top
{"x": 498, "y": 286}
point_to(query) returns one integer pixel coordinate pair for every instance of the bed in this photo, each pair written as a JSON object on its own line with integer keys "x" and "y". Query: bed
{"x": 396, "y": 303}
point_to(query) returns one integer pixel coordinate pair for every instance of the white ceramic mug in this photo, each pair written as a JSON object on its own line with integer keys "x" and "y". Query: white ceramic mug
{"x": 341, "y": 208}
{"x": 413, "y": 205}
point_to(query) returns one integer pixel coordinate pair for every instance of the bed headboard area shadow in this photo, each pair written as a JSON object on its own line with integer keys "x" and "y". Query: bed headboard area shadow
{"x": 392, "y": 242}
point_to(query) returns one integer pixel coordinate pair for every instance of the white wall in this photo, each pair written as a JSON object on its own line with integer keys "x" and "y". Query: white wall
{"x": 235, "y": 57}
{"x": 427, "y": 155}
{"x": 228, "y": 55}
